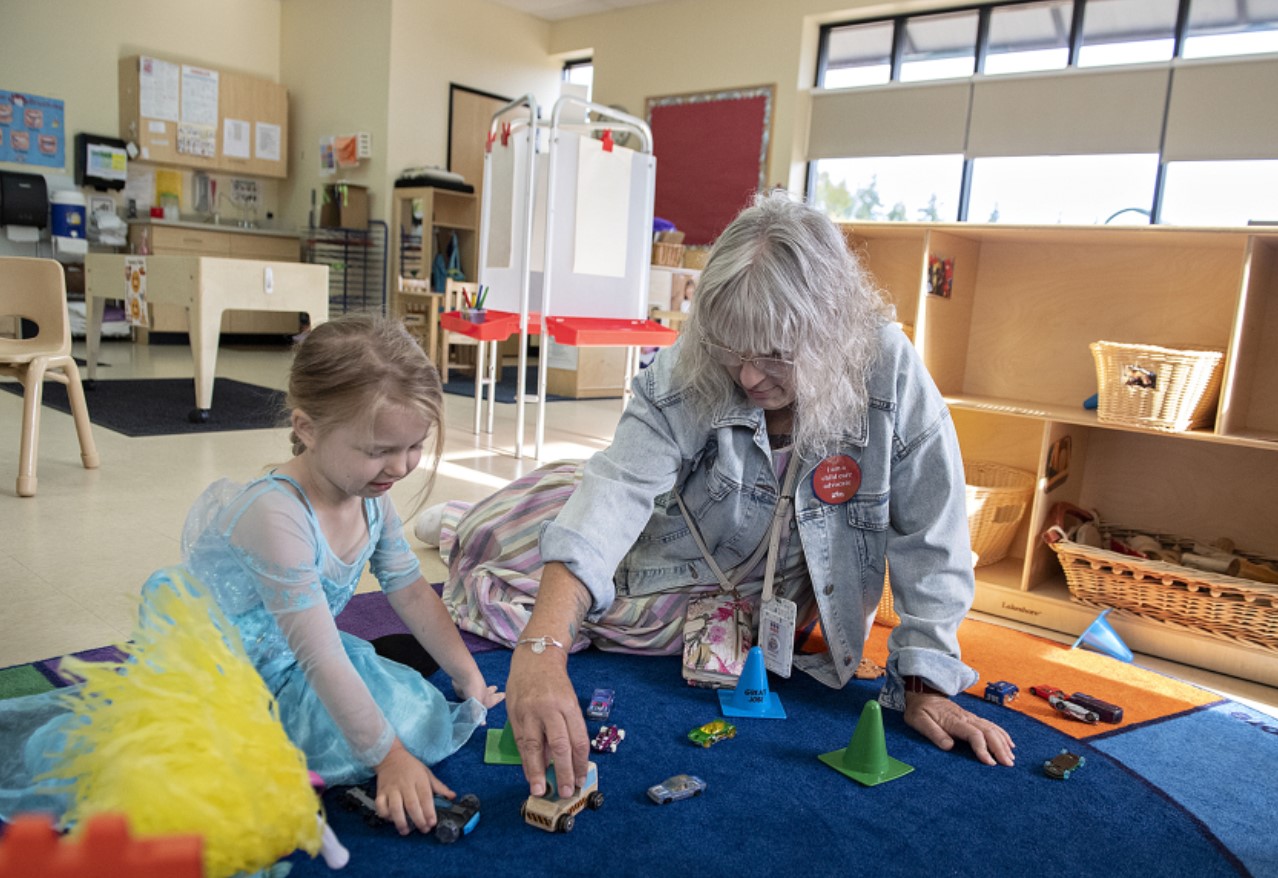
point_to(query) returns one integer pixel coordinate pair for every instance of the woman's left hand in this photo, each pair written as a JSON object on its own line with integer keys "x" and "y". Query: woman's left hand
{"x": 941, "y": 721}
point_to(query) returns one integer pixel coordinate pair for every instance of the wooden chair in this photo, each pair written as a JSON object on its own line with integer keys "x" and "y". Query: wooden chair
{"x": 418, "y": 309}
{"x": 452, "y": 340}
{"x": 35, "y": 289}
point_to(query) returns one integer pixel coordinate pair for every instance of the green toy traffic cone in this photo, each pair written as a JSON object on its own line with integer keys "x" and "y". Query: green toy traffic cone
{"x": 500, "y": 747}
{"x": 865, "y": 759}
{"x": 751, "y": 697}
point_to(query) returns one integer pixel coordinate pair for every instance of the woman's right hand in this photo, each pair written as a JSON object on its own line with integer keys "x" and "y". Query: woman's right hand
{"x": 546, "y": 719}
{"x": 406, "y": 791}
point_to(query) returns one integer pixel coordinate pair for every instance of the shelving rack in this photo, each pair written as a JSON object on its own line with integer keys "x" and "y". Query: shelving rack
{"x": 356, "y": 260}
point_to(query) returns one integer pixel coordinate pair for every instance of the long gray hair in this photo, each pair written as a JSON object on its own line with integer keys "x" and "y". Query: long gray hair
{"x": 780, "y": 280}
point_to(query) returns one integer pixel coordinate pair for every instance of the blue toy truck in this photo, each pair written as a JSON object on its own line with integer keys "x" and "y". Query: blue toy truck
{"x": 1001, "y": 692}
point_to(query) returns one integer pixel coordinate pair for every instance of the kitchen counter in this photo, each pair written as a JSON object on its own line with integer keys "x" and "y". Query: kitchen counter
{"x": 224, "y": 226}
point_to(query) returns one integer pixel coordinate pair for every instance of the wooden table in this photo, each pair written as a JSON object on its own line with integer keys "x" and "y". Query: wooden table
{"x": 206, "y": 286}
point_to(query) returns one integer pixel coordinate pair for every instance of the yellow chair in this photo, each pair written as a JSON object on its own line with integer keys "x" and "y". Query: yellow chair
{"x": 35, "y": 289}
{"x": 453, "y": 290}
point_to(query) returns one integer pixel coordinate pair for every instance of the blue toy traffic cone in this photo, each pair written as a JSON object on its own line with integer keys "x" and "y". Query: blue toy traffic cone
{"x": 500, "y": 747}
{"x": 1103, "y": 638}
{"x": 751, "y": 697}
{"x": 865, "y": 759}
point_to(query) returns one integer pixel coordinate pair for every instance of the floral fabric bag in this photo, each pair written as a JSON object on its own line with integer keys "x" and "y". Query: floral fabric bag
{"x": 718, "y": 631}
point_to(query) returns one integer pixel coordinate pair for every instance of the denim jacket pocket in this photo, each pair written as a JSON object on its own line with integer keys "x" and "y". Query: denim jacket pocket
{"x": 867, "y": 517}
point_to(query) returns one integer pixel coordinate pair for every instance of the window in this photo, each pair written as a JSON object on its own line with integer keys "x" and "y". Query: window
{"x": 1127, "y": 32}
{"x": 901, "y": 188}
{"x": 1075, "y": 190}
{"x": 939, "y": 46}
{"x": 1029, "y": 36}
{"x": 1220, "y": 193}
{"x": 580, "y": 72}
{"x": 1227, "y": 27}
{"x": 858, "y": 54}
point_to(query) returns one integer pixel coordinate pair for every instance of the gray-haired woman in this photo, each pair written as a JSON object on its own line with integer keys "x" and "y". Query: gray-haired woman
{"x": 790, "y": 444}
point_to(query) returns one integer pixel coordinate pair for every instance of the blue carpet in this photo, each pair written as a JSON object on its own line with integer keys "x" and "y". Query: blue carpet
{"x": 771, "y": 807}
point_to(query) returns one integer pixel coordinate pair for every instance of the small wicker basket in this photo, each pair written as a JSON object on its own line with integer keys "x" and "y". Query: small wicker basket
{"x": 886, "y": 614}
{"x": 667, "y": 254}
{"x": 1227, "y": 607}
{"x": 997, "y": 497}
{"x": 1170, "y": 389}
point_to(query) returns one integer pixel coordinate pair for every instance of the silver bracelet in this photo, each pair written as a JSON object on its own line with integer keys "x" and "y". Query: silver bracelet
{"x": 539, "y": 644}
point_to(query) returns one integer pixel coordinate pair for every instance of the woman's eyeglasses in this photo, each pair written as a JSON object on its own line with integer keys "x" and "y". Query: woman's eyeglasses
{"x": 773, "y": 367}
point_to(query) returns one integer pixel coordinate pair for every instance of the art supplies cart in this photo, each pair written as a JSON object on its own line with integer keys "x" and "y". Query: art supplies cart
{"x": 564, "y": 244}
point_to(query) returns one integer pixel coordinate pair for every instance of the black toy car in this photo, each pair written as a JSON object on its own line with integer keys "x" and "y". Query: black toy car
{"x": 1063, "y": 764}
{"x": 1110, "y": 713}
{"x": 453, "y": 819}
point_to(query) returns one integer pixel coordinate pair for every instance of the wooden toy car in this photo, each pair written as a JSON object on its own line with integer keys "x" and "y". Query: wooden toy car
{"x": 607, "y": 738}
{"x": 454, "y": 818}
{"x": 553, "y": 814}
{"x": 712, "y": 732}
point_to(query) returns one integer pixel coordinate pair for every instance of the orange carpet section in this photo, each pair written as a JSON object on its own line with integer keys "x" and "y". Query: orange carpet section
{"x": 999, "y": 653}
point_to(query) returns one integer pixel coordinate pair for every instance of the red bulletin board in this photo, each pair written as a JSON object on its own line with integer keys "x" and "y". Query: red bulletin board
{"x": 712, "y": 156}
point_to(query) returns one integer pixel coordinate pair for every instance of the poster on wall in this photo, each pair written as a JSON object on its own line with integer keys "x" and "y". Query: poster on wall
{"x": 32, "y": 131}
{"x": 712, "y": 156}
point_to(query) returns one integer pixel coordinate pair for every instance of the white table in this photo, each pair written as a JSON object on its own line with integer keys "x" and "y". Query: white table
{"x": 206, "y": 286}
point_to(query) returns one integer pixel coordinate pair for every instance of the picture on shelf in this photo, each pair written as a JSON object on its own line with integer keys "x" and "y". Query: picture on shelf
{"x": 1058, "y": 462}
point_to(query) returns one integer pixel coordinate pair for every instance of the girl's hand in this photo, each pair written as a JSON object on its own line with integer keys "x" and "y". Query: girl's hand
{"x": 475, "y": 687}
{"x": 406, "y": 791}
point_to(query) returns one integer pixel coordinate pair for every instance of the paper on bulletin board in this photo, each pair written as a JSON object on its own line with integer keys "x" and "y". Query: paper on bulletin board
{"x": 135, "y": 289}
{"x": 199, "y": 96}
{"x": 603, "y": 209}
{"x": 266, "y": 141}
{"x": 235, "y": 138}
{"x": 327, "y": 157}
{"x": 197, "y": 140}
{"x": 139, "y": 187}
{"x": 32, "y": 130}
{"x": 159, "y": 86}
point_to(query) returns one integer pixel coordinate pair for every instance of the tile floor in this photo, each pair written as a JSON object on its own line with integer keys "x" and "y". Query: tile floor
{"x": 73, "y": 557}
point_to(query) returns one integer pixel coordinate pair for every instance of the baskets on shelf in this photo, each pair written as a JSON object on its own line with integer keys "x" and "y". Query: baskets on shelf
{"x": 997, "y": 497}
{"x": 1171, "y": 389}
{"x": 1227, "y": 607}
{"x": 666, "y": 254}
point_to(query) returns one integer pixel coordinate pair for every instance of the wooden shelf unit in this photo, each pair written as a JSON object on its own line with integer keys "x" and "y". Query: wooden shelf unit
{"x": 414, "y": 241}
{"x": 1009, "y": 350}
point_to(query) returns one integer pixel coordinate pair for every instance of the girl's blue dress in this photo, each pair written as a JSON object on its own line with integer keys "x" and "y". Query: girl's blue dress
{"x": 260, "y": 552}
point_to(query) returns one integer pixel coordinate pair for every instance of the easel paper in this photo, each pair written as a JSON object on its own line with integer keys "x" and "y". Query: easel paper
{"x": 501, "y": 165}
{"x": 603, "y": 210}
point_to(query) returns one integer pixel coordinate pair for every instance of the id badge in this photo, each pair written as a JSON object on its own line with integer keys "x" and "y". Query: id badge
{"x": 776, "y": 635}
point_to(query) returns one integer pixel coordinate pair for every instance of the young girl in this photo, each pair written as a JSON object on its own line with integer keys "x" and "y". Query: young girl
{"x": 282, "y": 556}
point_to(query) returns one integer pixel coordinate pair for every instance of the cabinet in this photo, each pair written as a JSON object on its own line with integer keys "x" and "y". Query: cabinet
{"x": 1009, "y": 350}
{"x": 423, "y": 220}
{"x": 172, "y": 239}
{"x": 156, "y": 94}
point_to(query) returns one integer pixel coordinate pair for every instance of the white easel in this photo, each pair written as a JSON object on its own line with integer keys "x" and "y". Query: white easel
{"x": 531, "y": 194}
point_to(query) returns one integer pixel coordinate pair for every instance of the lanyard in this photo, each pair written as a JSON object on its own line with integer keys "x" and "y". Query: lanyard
{"x": 769, "y": 543}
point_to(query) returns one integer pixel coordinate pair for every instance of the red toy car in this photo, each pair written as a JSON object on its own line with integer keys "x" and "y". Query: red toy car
{"x": 1046, "y": 692}
{"x": 607, "y": 739}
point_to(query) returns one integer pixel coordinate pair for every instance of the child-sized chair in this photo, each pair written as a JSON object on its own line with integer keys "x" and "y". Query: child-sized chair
{"x": 35, "y": 290}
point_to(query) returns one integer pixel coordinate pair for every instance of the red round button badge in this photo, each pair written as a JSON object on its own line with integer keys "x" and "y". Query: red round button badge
{"x": 837, "y": 479}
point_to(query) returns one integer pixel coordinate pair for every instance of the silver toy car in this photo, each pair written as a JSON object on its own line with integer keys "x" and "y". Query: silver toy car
{"x": 681, "y": 786}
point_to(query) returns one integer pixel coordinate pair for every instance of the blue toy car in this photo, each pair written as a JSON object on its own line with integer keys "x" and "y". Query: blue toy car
{"x": 1001, "y": 692}
{"x": 600, "y": 704}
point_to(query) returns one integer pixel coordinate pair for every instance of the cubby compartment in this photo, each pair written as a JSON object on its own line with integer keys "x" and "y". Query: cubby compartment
{"x": 1007, "y": 342}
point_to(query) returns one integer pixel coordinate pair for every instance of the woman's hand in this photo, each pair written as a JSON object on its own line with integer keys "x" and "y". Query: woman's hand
{"x": 940, "y": 720}
{"x": 406, "y": 791}
{"x": 546, "y": 720}
{"x": 474, "y": 686}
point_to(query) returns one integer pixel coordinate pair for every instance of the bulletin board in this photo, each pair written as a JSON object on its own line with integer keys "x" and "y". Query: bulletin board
{"x": 712, "y": 148}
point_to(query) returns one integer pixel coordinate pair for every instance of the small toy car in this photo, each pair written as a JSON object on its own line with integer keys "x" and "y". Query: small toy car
{"x": 1109, "y": 713}
{"x": 681, "y": 786}
{"x": 712, "y": 732}
{"x": 607, "y": 739}
{"x": 1001, "y": 692}
{"x": 453, "y": 818}
{"x": 553, "y": 814}
{"x": 1075, "y": 711}
{"x": 1046, "y": 692}
{"x": 600, "y": 704}
{"x": 1063, "y": 764}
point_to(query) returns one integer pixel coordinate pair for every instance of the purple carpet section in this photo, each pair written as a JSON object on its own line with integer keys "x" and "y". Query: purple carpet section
{"x": 369, "y": 616}
{"x": 52, "y": 668}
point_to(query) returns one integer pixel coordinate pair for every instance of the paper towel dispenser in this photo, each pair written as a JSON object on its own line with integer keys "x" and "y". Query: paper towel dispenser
{"x": 24, "y": 200}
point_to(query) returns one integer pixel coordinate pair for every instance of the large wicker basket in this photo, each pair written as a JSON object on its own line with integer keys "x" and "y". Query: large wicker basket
{"x": 997, "y": 497}
{"x": 1157, "y": 388}
{"x": 1228, "y": 607}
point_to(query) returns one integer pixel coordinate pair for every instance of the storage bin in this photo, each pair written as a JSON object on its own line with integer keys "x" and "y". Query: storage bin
{"x": 1169, "y": 389}
{"x": 666, "y": 254}
{"x": 1226, "y": 607}
{"x": 997, "y": 497}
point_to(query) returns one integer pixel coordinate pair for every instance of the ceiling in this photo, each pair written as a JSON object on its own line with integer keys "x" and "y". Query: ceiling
{"x": 557, "y": 10}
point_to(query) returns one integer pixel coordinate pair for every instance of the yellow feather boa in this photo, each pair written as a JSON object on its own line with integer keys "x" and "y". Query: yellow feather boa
{"x": 184, "y": 739}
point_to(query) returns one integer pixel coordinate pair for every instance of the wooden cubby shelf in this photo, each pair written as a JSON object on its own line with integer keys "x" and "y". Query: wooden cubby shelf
{"x": 1008, "y": 348}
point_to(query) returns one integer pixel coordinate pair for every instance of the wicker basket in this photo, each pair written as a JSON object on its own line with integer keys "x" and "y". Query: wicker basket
{"x": 997, "y": 497}
{"x": 1238, "y": 610}
{"x": 1157, "y": 388}
{"x": 887, "y": 613}
{"x": 670, "y": 255}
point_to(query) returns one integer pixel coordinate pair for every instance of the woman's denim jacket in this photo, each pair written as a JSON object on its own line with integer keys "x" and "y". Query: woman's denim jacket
{"x": 622, "y": 532}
